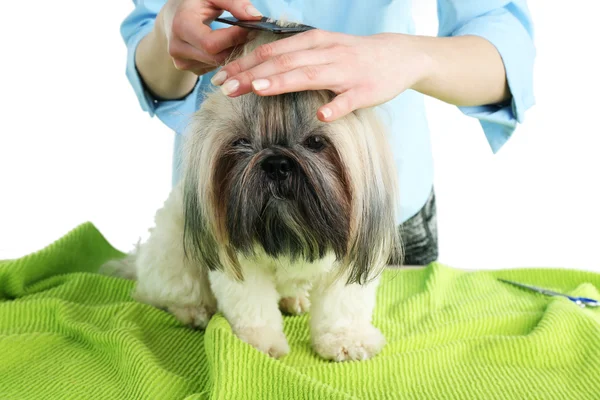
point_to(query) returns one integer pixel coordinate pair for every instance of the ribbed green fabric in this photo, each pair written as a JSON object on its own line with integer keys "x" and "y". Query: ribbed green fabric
{"x": 68, "y": 333}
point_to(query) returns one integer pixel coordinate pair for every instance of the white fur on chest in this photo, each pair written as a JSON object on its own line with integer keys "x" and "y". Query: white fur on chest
{"x": 290, "y": 277}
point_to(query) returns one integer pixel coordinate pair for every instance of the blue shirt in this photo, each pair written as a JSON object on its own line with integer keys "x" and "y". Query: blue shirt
{"x": 506, "y": 24}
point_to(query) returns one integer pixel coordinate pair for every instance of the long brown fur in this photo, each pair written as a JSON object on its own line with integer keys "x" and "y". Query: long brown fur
{"x": 351, "y": 183}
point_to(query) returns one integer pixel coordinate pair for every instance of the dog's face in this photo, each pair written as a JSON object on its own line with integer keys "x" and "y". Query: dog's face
{"x": 279, "y": 181}
{"x": 264, "y": 173}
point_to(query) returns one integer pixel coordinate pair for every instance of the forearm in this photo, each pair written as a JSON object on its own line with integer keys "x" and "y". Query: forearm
{"x": 463, "y": 71}
{"x": 157, "y": 69}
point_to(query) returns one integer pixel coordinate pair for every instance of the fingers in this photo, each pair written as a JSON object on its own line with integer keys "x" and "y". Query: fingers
{"x": 194, "y": 40}
{"x": 240, "y": 9}
{"x": 303, "y": 41}
{"x": 277, "y": 65}
{"x": 342, "y": 105}
{"x": 308, "y": 77}
{"x": 198, "y": 68}
{"x": 181, "y": 51}
{"x": 313, "y": 77}
{"x": 214, "y": 41}
{"x": 220, "y": 39}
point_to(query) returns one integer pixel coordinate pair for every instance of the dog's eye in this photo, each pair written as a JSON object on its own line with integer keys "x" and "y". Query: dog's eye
{"x": 315, "y": 143}
{"x": 241, "y": 142}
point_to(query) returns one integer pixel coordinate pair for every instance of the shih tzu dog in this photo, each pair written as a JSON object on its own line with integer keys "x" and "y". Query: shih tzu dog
{"x": 275, "y": 208}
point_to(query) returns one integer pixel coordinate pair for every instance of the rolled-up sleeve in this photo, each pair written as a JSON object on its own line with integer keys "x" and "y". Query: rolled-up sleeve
{"x": 508, "y": 26}
{"x": 133, "y": 29}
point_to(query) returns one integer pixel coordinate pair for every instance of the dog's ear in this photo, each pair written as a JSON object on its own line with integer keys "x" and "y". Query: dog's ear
{"x": 374, "y": 237}
{"x": 199, "y": 242}
{"x": 374, "y": 242}
{"x": 200, "y": 234}
{"x": 204, "y": 238}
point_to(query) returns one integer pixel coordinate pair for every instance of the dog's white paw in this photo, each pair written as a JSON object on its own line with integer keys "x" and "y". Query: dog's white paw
{"x": 295, "y": 305}
{"x": 194, "y": 316}
{"x": 352, "y": 343}
{"x": 266, "y": 339}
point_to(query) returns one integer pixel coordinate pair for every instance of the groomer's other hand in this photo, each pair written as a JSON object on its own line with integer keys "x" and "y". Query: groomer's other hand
{"x": 191, "y": 43}
{"x": 363, "y": 71}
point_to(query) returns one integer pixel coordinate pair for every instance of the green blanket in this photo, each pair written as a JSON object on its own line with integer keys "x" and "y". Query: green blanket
{"x": 69, "y": 333}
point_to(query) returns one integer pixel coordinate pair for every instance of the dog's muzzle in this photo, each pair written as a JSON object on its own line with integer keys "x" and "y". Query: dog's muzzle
{"x": 278, "y": 167}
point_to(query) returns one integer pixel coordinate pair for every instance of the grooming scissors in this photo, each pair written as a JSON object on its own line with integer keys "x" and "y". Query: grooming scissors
{"x": 265, "y": 24}
{"x": 580, "y": 301}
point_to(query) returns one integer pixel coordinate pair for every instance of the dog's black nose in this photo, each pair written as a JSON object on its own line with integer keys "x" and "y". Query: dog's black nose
{"x": 278, "y": 167}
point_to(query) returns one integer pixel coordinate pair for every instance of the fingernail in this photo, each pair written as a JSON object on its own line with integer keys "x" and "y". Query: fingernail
{"x": 326, "y": 112}
{"x": 230, "y": 87}
{"x": 261, "y": 84}
{"x": 219, "y": 78}
{"x": 253, "y": 11}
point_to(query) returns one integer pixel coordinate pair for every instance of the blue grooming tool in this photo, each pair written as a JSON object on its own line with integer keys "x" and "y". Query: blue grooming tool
{"x": 266, "y": 24}
{"x": 580, "y": 301}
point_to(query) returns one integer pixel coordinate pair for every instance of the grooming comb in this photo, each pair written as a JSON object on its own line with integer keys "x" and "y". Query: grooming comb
{"x": 266, "y": 24}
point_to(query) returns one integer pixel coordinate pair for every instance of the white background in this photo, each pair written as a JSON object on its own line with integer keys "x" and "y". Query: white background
{"x": 76, "y": 147}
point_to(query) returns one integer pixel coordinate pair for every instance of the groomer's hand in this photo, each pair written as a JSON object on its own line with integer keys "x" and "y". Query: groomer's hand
{"x": 365, "y": 71}
{"x": 192, "y": 44}
{"x": 182, "y": 45}
{"x": 362, "y": 70}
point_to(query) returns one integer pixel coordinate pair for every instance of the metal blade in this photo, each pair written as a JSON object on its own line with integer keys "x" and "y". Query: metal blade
{"x": 266, "y": 24}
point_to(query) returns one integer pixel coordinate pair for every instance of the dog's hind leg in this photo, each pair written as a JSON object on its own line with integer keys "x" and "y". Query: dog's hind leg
{"x": 294, "y": 298}
{"x": 295, "y": 305}
{"x": 166, "y": 278}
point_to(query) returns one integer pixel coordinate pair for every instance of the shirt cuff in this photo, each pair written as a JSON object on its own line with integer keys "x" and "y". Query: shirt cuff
{"x": 516, "y": 48}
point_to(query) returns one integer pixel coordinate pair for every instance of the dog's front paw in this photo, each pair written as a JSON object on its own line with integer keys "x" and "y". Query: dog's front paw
{"x": 266, "y": 339}
{"x": 347, "y": 344}
{"x": 295, "y": 305}
{"x": 194, "y": 316}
